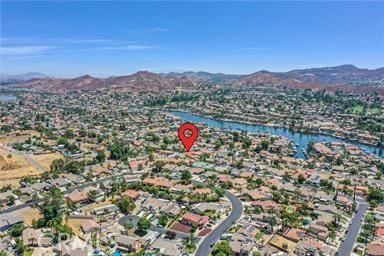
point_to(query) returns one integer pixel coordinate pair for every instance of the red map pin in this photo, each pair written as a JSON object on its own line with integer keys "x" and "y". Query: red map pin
{"x": 191, "y": 136}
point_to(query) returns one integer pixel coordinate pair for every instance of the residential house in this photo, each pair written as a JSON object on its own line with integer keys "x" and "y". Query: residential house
{"x": 194, "y": 219}
{"x": 241, "y": 245}
{"x": 7, "y": 220}
{"x": 77, "y": 197}
{"x": 133, "y": 194}
{"x": 165, "y": 247}
{"x": 129, "y": 244}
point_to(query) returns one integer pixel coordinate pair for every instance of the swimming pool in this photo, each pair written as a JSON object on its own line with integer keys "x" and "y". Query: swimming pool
{"x": 116, "y": 253}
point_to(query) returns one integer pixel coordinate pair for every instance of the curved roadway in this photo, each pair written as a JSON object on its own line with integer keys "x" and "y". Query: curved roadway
{"x": 204, "y": 248}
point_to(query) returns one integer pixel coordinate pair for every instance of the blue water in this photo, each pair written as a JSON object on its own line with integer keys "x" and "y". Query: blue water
{"x": 299, "y": 138}
{"x": 116, "y": 253}
{"x": 7, "y": 97}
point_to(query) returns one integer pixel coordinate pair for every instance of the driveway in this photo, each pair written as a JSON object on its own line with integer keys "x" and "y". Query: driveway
{"x": 346, "y": 247}
{"x": 204, "y": 248}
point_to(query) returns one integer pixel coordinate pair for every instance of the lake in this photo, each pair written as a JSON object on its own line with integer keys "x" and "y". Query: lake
{"x": 7, "y": 97}
{"x": 299, "y": 138}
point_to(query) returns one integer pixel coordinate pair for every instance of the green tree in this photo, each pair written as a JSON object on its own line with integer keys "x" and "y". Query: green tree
{"x": 300, "y": 179}
{"x": 264, "y": 144}
{"x": 219, "y": 192}
{"x": 331, "y": 233}
{"x": 19, "y": 246}
{"x": 159, "y": 166}
{"x": 11, "y": 200}
{"x": 186, "y": 176}
{"x": 221, "y": 248}
{"x": 339, "y": 161}
{"x": 143, "y": 225}
{"x": 272, "y": 221}
{"x": 62, "y": 231}
{"x": 74, "y": 167}
{"x": 16, "y": 230}
{"x": 311, "y": 147}
{"x": 163, "y": 219}
{"x": 120, "y": 151}
{"x": 57, "y": 165}
{"x": 125, "y": 204}
{"x": 52, "y": 207}
{"x": 376, "y": 195}
{"x": 100, "y": 156}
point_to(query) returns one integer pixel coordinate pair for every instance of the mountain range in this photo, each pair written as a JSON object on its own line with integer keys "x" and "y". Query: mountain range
{"x": 21, "y": 77}
{"x": 344, "y": 76}
{"x": 140, "y": 81}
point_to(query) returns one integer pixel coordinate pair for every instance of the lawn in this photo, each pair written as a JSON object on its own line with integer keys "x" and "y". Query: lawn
{"x": 28, "y": 252}
{"x": 259, "y": 235}
{"x": 290, "y": 209}
{"x": 359, "y": 109}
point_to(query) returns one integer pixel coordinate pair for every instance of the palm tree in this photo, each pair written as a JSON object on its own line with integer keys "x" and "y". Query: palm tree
{"x": 32, "y": 240}
{"x": 332, "y": 234}
{"x": 297, "y": 194}
{"x": 272, "y": 221}
{"x": 337, "y": 218}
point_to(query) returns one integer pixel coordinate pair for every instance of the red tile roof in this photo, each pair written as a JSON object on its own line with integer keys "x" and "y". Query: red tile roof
{"x": 177, "y": 226}
{"x": 195, "y": 218}
{"x": 131, "y": 194}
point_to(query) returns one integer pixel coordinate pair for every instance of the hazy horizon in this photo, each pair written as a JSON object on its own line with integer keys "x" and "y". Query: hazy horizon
{"x": 115, "y": 38}
{"x": 175, "y": 71}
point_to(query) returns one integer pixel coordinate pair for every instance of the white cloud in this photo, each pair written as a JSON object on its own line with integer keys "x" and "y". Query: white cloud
{"x": 128, "y": 47}
{"x": 87, "y": 41}
{"x": 160, "y": 30}
{"x": 24, "y": 50}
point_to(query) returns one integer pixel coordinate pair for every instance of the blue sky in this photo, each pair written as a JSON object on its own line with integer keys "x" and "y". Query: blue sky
{"x": 113, "y": 38}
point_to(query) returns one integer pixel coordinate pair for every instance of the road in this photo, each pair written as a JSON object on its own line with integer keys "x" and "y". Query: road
{"x": 346, "y": 246}
{"x": 204, "y": 248}
{"x": 16, "y": 207}
{"x": 28, "y": 157}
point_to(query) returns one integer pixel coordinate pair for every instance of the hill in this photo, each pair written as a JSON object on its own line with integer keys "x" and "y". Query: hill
{"x": 140, "y": 81}
{"x": 344, "y": 77}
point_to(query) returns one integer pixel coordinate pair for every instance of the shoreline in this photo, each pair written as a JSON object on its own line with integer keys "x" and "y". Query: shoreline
{"x": 279, "y": 127}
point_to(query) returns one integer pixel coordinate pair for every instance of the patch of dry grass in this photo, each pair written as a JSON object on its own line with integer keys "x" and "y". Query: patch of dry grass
{"x": 14, "y": 168}
{"x": 75, "y": 224}
{"x": 29, "y": 214}
{"x": 17, "y": 136}
{"x": 47, "y": 159}
{"x": 89, "y": 208}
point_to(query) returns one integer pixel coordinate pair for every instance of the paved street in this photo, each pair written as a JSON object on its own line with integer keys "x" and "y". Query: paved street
{"x": 346, "y": 247}
{"x": 204, "y": 248}
{"x": 16, "y": 207}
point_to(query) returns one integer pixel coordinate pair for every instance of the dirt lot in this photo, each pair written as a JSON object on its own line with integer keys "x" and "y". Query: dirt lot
{"x": 75, "y": 224}
{"x": 46, "y": 159}
{"x": 29, "y": 214}
{"x": 13, "y": 167}
{"x": 17, "y": 136}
